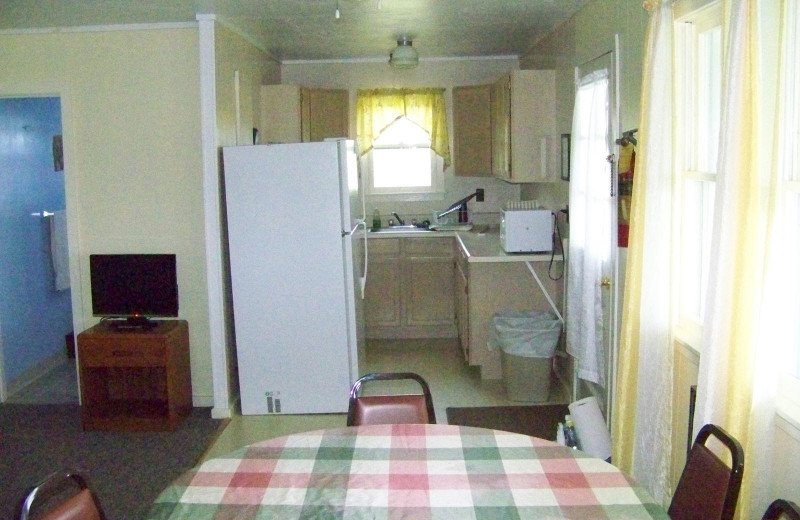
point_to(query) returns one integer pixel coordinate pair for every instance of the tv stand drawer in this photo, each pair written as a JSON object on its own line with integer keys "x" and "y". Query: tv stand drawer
{"x": 123, "y": 354}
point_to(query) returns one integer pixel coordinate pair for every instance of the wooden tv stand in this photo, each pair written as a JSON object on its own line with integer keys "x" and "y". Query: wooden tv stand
{"x": 135, "y": 379}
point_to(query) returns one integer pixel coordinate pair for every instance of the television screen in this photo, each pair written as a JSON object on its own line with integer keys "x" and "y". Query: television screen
{"x": 127, "y": 285}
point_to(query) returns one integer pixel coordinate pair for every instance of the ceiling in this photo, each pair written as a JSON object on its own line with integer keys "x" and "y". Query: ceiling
{"x": 308, "y": 30}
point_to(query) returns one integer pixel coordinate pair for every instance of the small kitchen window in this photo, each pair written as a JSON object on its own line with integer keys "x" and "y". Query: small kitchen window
{"x": 402, "y": 135}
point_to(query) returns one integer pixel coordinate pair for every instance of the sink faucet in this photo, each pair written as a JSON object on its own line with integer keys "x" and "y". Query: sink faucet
{"x": 399, "y": 220}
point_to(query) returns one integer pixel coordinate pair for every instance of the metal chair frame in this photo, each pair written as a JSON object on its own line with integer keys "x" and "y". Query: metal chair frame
{"x": 356, "y": 388}
{"x": 781, "y": 508}
{"x": 52, "y": 484}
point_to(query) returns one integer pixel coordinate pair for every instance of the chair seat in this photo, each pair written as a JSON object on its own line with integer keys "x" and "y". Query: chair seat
{"x": 383, "y": 409}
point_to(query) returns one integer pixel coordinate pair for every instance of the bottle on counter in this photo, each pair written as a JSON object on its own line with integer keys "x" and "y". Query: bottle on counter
{"x": 570, "y": 437}
{"x": 376, "y": 220}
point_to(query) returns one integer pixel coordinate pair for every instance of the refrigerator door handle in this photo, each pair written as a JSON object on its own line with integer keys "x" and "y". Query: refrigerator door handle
{"x": 363, "y": 280}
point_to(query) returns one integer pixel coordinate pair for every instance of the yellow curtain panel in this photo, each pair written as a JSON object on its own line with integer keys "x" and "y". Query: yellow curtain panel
{"x": 378, "y": 108}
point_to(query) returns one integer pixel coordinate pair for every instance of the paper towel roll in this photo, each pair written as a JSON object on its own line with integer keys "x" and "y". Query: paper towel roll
{"x": 591, "y": 428}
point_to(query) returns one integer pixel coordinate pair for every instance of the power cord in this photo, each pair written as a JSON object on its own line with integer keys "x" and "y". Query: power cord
{"x": 556, "y": 235}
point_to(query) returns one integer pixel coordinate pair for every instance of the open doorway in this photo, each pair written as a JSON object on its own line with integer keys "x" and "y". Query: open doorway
{"x": 37, "y": 362}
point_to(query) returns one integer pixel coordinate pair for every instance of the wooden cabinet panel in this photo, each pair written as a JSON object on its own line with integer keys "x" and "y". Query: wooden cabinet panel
{"x": 382, "y": 294}
{"x": 429, "y": 298}
{"x": 524, "y": 148}
{"x": 409, "y": 292}
{"x": 280, "y": 114}
{"x": 462, "y": 307}
{"x": 325, "y": 113}
{"x": 501, "y": 127}
{"x": 472, "y": 131}
{"x": 291, "y": 114}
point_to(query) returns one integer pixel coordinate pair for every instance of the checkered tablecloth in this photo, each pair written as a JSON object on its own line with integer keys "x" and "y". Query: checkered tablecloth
{"x": 404, "y": 471}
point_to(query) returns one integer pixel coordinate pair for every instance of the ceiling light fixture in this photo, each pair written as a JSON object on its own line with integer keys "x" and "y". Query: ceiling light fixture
{"x": 404, "y": 56}
{"x": 337, "y": 14}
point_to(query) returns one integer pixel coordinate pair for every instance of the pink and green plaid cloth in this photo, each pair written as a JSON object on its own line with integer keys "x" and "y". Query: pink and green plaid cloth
{"x": 409, "y": 471}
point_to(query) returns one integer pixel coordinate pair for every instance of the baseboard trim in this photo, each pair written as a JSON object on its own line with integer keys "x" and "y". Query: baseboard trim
{"x": 34, "y": 373}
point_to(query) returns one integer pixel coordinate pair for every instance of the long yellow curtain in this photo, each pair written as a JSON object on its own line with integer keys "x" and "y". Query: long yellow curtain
{"x": 641, "y": 417}
{"x": 378, "y": 108}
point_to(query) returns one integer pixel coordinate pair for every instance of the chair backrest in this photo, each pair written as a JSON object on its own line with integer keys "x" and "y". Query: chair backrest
{"x": 390, "y": 409}
{"x": 781, "y": 508}
{"x": 61, "y": 496}
{"x": 708, "y": 488}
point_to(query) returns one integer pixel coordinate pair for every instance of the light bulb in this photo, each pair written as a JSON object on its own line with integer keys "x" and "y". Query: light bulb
{"x": 337, "y": 14}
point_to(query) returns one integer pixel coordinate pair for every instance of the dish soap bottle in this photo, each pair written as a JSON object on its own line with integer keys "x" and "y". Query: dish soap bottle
{"x": 376, "y": 220}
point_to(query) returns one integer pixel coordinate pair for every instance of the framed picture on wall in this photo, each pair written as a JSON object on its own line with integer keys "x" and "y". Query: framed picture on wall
{"x": 565, "y": 157}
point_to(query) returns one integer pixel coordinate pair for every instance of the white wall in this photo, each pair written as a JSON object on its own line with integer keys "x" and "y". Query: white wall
{"x": 587, "y": 35}
{"x": 430, "y": 73}
{"x": 132, "y": 154}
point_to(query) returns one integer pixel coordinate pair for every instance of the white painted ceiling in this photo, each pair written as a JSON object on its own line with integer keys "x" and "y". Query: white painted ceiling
{"x": 307, "y": 29}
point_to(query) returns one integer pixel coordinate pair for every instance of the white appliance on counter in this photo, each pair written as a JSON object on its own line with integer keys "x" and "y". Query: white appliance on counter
{"x": 295, "y": 223}
{"x": 526, "y": 230}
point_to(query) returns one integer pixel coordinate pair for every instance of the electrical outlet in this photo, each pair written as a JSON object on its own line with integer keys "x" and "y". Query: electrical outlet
{"x": 479, "y": 197}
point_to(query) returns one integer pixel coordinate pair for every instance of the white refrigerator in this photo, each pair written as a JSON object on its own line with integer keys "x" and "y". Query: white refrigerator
{"x": 295, "y": 225}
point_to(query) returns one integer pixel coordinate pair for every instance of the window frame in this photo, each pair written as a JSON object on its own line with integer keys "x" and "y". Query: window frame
{"x": 408, "y": 193}
{"x": 688, "y": 328}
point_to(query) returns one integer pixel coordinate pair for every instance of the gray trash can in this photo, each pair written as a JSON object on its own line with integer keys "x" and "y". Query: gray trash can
{"x": 528, "y": 342}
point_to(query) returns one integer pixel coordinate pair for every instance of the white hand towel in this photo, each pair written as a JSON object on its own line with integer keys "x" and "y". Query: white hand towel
{"x": 59, "y": 251}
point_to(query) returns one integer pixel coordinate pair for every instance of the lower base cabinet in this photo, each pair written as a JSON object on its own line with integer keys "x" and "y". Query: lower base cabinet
{"x": 409, "y": 292}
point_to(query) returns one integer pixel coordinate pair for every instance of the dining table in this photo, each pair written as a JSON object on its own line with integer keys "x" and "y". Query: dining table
{"x": 404, "y": 471}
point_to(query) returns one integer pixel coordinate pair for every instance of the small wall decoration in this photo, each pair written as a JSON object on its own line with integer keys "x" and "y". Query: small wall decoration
{"x": 58, "y": 154}
{"x": 565, "y": 157}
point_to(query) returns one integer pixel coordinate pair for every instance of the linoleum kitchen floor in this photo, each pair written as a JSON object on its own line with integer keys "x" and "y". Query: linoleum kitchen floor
{"x": 439, "y": 361}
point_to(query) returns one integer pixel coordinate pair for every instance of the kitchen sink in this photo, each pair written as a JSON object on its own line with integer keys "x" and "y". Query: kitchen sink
{"x": 401, "y": 229}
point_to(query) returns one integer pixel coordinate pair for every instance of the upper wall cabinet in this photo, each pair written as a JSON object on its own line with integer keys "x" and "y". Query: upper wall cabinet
{"x": 292, "y": 114}
{"x": 472, "y": 131}
{"x": 523, "y": 122}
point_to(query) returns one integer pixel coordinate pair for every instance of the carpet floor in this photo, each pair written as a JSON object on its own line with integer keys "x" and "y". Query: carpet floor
{"x": 535, "y": 420}
{"x": 127, "y": 470}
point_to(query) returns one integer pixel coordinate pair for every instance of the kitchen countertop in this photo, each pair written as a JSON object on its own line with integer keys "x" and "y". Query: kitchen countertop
{"x": 480, "y": 245}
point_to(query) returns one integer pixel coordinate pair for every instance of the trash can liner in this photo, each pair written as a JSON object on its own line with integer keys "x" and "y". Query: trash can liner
{"x": 525, "y": 333}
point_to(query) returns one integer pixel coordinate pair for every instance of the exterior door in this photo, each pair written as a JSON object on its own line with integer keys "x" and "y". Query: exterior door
{"x": 592, "y": 285}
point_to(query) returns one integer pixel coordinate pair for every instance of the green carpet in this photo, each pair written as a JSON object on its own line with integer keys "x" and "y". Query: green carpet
{"x": 127, "y": 470}
{"x": 535, "y": 420}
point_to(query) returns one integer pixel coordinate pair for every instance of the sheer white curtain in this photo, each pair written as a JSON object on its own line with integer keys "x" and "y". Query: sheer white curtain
{"x": 590, "y": 223}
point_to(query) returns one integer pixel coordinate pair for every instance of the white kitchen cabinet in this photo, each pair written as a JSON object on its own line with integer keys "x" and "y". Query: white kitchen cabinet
{"x": 523, "y": 127}
{"x": 292, "y": 114}
{"x": 409, "y": 292}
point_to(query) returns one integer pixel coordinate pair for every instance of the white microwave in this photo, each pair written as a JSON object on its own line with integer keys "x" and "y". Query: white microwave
{"x": 527, "y": 231}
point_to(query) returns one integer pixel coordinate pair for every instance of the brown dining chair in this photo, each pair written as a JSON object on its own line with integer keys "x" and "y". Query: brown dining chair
{"x": 61, "y": 496}
{"x": 390, "y": 409}
{"x": 708, "y": 488}
{"x": 781, "y": 508}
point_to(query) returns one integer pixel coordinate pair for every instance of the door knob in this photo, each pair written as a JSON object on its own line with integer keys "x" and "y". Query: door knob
{"x": 605, "y": 282}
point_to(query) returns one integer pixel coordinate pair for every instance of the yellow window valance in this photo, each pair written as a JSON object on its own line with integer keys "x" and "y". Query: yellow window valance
{"x": 378, "y": 108}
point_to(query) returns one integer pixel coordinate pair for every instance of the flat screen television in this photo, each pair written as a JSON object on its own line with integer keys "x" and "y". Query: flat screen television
{"x": 134, "y": 286}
